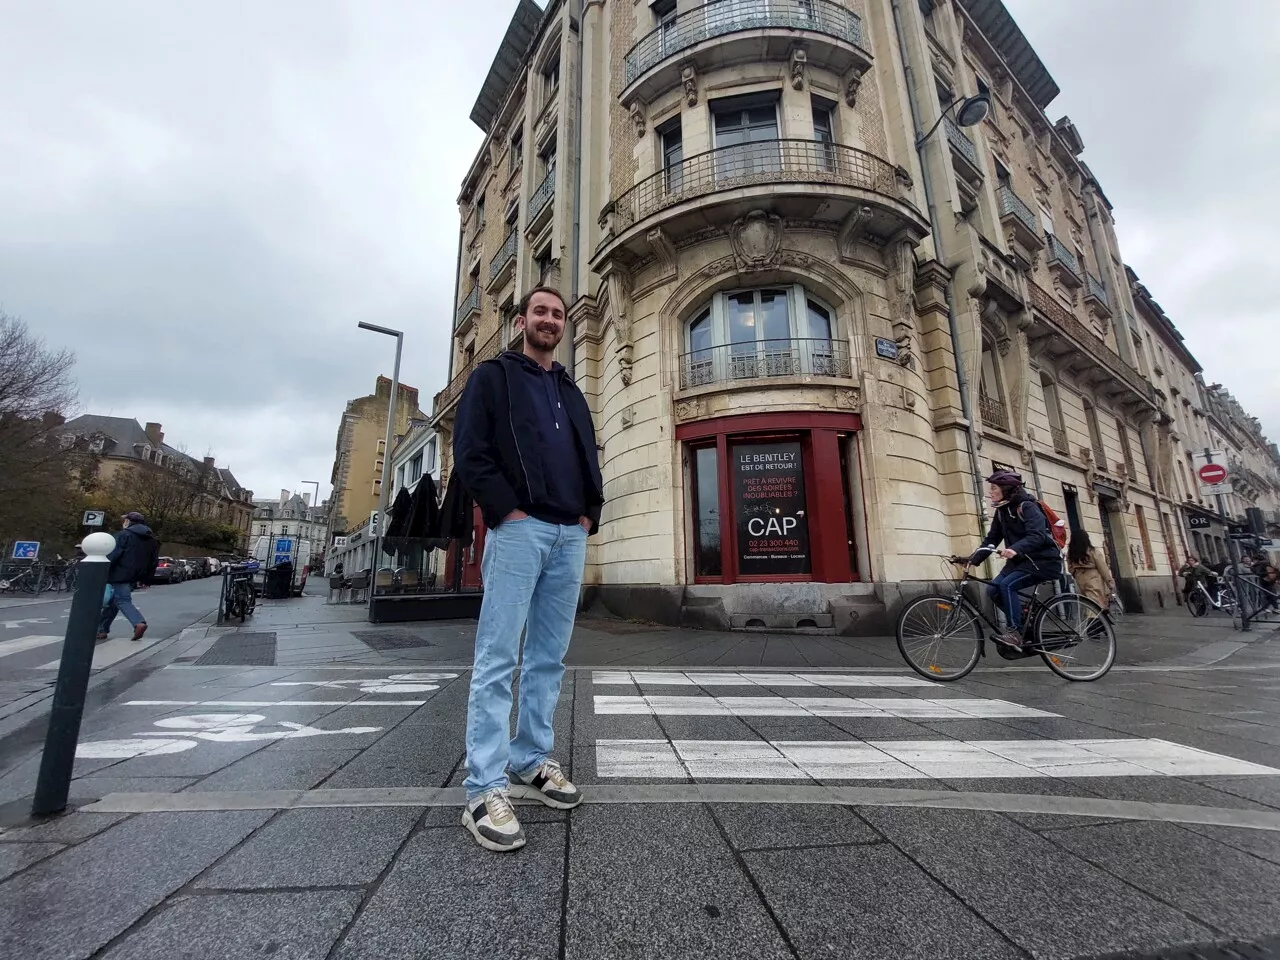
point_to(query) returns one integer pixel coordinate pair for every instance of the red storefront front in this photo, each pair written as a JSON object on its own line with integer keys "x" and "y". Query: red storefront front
{"x": 773, "y": 497}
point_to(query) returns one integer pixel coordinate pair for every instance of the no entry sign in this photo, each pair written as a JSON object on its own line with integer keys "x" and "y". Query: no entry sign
{"x": 1212, "y": 473}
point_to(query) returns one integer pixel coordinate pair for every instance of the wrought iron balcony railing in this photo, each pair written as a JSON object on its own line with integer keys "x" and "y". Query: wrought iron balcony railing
{"x": 487, "y": 351}
{"x": 1097, "y": 290}
{"x": 960, "y": 140}
{"x": 505, "y": 254}
{"x": 543, "y": 195}
{"x": 731, "y": 16}
{"x": 1058, "y": 251}
{"x": 470, "y": 304}
{"x": 993, "y": 412}
{"x": 756, "y": 359}
{"x": 1011, "y": 203}
{"x": 748, "y": 164}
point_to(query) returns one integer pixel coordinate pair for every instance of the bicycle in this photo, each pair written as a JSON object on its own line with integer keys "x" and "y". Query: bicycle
{"x": 942, "y": 637}
{"x": 1200, "y": 600}
{"x": 241, "y": 597}
{"x": 29, "y": 580}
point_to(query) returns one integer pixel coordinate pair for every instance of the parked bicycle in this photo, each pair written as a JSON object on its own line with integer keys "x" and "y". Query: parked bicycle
{"x": 942, "y": 637}
{"x": 1201, "y": 600}
{"x": 241, "y": 598}
{"x": 29, "y": 579}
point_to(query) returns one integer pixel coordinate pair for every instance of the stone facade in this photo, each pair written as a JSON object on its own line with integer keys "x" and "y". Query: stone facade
{"x": 358, "y": 453}
{"x": 764, "y": 272}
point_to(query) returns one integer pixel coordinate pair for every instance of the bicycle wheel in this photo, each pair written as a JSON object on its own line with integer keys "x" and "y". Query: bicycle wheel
{"x": 1197, "y": 605}
{"x": 940, "y": 639}
{"x": 1073, "y": 637}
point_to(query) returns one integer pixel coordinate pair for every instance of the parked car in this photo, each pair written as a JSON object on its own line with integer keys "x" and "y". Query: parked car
{"x": 169, "y": 570}
{"x": 215, "y": 565}
{"x": 200, "y": 565}
{"x": 193, "y": 571}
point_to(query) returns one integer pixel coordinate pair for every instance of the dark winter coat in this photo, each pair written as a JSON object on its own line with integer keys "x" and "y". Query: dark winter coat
{"x": 423, "y": 518}
{"x": 455, "y": 514}
{"x": 134, "y": 558}
{"x": 498, "y": 450}
{"x": 1022, "y": 526}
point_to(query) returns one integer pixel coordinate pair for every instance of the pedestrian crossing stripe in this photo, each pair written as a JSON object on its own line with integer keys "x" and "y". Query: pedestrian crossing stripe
{"x": 910, "y": 759}
{"x": 955, "y": 708}
{"x": 738, "y": 679}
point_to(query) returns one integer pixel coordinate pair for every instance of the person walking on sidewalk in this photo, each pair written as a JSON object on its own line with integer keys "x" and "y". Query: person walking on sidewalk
{"x": 524, "y": 447}
{"x": 1088, "y": 566}
{"x": 134, "y": 559}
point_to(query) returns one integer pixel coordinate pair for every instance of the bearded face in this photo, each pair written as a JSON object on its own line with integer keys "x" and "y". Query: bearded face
{"x": 543, "y": 322}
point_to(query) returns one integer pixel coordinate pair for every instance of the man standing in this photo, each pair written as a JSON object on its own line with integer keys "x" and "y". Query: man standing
{"x": 525, "y": 450}
{"x": 133, "y": 561}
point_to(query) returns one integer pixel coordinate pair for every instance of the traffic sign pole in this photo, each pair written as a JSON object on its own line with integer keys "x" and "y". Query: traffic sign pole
{"x": 1233, "y": 550}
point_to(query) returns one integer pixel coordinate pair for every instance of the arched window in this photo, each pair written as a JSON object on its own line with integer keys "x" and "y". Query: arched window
{"x": 765, "y": 332}
{"x": 991, "y": 406}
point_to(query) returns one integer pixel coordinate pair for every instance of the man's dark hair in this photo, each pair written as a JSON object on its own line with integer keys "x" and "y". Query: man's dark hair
{"x": 523, "y": 307}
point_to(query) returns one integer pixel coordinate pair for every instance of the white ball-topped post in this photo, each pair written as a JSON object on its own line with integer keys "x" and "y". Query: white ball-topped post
{"x": 96, "y": 546}
{"x": 54, "y": 782}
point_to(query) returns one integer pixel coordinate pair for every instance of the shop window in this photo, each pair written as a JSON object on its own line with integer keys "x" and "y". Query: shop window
{"x": 706, "y": 513}
{"x": 769, "y": 509}
{"x": 770, "y": 332}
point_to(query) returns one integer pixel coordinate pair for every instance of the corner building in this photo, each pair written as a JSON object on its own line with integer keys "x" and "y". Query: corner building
{"x": 805, "y": 340}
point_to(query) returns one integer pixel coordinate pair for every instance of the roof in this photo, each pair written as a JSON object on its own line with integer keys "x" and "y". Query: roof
{"x": 506, "y": 63}
{"x": 998, "y": 26}
{"x": 229, "y": 478}
{"x": 125, "y": 431}
{"x": 1172, "y": 335}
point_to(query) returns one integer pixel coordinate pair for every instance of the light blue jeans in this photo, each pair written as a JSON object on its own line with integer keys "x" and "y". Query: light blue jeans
{"x": 532, "y": 578}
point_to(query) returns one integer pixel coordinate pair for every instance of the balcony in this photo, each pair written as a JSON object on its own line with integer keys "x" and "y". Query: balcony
{"x": 1063, "y": 262}
{"x": 1095, "y": 295}
{"x": 468, "y": 311}
{"x": 726, "y": 32}
{"x": 448, "y": 397}
{"x": 503, "y": 263}
{"x": 800, "y": 179}
{"x": 765, "y": 359}
{"x": 1060, "y": 444}
{"x": 993, "y": 412}
{"x": 1019, "y": 220}
{"x": 1056, "y": 333}
{"x": 540, "y": 202}
{"x": 963, "y": 151}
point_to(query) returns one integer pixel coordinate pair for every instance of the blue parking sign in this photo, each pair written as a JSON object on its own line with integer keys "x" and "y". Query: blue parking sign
{"x": 26, "y": 549}
{"x": 284, "y": 545}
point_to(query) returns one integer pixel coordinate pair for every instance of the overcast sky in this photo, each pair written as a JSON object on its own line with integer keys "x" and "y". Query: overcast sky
{"x": 204, "y": 199}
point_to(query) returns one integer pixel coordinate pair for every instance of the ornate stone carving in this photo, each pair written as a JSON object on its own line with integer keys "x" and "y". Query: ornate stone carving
{"x": 689, "y": 80}
{"x": 618, "y": 285}
{"x": 799, "y": 60}
{"x": 794, "y": 258}
{"x": 1025, "y": 457}
{"x": 849, "y": 399}
{"x": 756, "y": 239}
{"x": 688, "y": 409}
{"x": 853, "y": 230}
{"x": 851, "y": 85}
{"x": 664, "y": 251}
{"x": 628, "y": 417}
{"x": 901, "y": 260}
{"x": 716, "y": 267}
{"x": 638, "y": 118}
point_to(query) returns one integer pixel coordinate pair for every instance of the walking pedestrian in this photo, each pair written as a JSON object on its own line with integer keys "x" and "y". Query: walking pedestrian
{"x": 1088, "y": 566}
{"x": 133, "y": 560}
{"x": 525, "y": 450}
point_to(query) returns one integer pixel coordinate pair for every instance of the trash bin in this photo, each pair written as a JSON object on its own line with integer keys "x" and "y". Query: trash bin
{"x": 279, "y": 582}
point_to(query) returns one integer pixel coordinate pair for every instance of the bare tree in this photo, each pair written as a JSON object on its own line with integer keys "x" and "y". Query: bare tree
{"x": 37, "y": 391}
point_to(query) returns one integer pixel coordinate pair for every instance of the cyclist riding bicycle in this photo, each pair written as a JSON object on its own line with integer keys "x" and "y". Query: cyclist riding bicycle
{"x": 1032, "y": 555}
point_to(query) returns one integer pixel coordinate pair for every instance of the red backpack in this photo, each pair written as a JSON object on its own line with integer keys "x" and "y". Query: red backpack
{"x": 1057, "y": 528}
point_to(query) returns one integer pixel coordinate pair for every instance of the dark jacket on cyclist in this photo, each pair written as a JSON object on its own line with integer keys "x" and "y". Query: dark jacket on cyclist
{"x": 136, "y": 553}
{"x": 1021, "y": 525}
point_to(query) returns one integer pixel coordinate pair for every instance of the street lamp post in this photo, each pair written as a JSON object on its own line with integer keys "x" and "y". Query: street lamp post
{"x": 386, "y": 451}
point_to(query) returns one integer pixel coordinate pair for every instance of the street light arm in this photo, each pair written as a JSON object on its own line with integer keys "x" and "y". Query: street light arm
{"x": 919, "y": 143}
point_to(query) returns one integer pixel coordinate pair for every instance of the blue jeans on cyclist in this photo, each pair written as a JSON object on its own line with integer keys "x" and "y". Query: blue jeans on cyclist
{"x": 1003, "y": 590}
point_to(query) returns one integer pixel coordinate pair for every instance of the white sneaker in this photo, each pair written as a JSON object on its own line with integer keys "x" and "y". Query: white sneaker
{"x": 547, "y": 784}
{"x": 491, "y": 819}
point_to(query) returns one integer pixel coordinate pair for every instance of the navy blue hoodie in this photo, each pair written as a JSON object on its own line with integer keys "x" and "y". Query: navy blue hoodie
{"x": 136, "y": 553}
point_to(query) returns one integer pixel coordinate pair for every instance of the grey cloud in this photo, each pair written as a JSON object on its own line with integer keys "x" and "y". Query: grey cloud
{"x": 1176, "y": 105}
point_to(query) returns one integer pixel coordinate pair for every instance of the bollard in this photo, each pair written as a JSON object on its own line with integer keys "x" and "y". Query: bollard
{"x": 54, "y": 782}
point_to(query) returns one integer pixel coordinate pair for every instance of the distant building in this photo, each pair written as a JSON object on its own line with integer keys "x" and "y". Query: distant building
{"x": 359, "y": 452}
{"x": 121, "y": 444}
{"x": 293, "y": 516}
